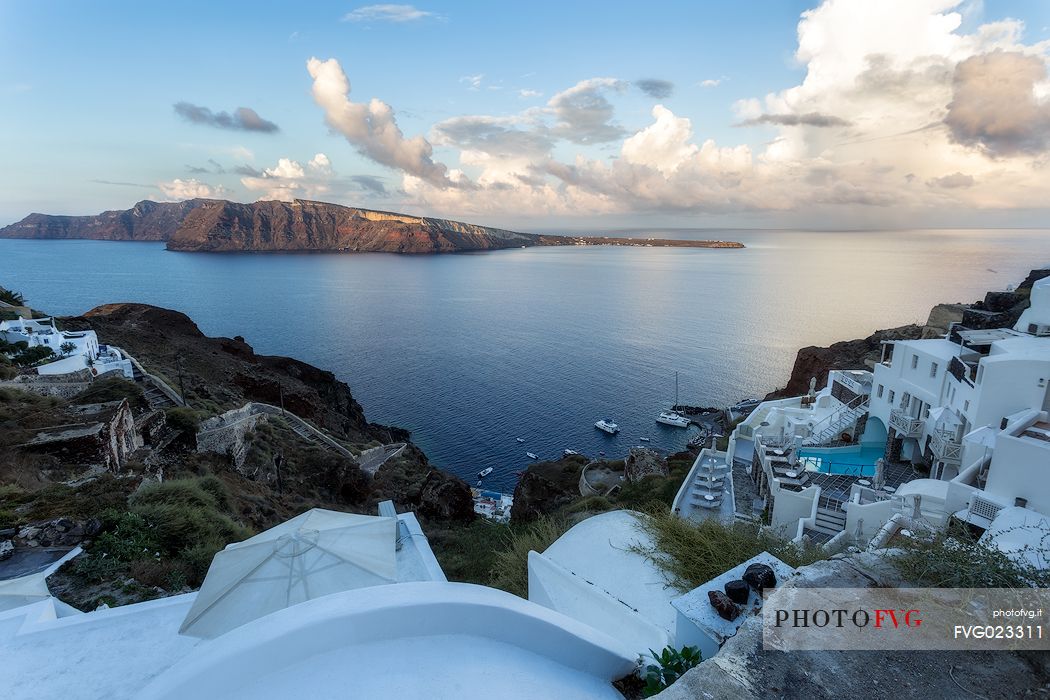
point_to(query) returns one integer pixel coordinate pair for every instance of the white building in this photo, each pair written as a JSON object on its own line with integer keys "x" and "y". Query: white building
{"x": 973, "y": 407}
{"x": 931, "y": 393}
{"x": 414, "y": 637}
{"x": 76, "y": 350}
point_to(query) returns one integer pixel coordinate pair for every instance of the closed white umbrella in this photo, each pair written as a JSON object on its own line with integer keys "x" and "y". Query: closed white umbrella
{"x": 879, "y": 480}
{"x": 312, "y": 555}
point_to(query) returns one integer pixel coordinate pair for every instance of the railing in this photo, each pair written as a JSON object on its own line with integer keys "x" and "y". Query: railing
{"x": 841, "y": 419}
{"x": 904, "y": 424}
{"x": 945, "y": 447}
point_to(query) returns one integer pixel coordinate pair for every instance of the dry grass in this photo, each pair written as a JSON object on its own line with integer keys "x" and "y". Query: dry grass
{"x": 692, "y": 554}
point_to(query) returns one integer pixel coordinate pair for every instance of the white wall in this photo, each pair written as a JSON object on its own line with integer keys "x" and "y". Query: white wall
{"x": 791, "y": 506}
{"x": 1020, "y": 468}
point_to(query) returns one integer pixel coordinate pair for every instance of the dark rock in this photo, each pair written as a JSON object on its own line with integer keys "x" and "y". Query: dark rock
{"x": 723, "y": 605}
{"x": 7, "y": 549}
{"x": 738, "y": 591}
{"x": 445, "y": 496}
{"x": 760, "y": 577}
{"x": 537, "y": 495}
{"x": 8, "y": 532}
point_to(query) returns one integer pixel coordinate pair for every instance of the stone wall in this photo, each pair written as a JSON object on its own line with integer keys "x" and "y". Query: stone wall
{"x": 62, "y": 386}
{"x": 224, "y": 434}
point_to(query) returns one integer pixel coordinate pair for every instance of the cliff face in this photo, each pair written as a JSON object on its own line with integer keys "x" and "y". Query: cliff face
{"x": 146, "y": 221}
{"x": 316, "y": 226}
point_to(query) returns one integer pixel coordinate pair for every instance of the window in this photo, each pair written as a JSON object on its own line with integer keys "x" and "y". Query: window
{"x": 891, "y": 395}
{"x": 966, "y": 405}
{"x": 914, "y": 361}
{"x": 933, "y": 369}
{"x": 879, "y": 394}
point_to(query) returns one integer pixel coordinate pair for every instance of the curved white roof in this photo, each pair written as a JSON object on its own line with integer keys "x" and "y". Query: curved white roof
{"x": 935, "y": 488}
{"x": 413, "y": 640}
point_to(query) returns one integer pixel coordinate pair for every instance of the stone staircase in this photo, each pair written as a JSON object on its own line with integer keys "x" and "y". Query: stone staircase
{"x": 156, "y": 398}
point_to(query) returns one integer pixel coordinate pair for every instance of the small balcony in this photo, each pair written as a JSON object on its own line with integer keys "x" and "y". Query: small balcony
{"x": 905, "y": 425}
{"x": 945, "y": 447}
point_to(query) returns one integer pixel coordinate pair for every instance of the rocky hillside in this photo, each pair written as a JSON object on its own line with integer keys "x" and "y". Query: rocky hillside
{"x": 313, "y": 226}
{"x": 146, "y": 221}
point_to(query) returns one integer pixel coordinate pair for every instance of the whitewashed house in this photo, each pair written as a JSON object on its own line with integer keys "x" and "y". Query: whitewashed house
{"x": 76, "y": 350}
{"x": 974, "y": 406}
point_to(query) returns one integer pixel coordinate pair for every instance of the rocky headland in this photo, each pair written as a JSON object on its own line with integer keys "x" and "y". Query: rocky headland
{"x": 205, "y": 225}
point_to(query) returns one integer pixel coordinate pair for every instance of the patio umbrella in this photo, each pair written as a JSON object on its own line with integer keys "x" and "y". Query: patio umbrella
{"x": 16, "y": 592}
{"x": 879, "y": 480}
{"x": 312, "y": 555}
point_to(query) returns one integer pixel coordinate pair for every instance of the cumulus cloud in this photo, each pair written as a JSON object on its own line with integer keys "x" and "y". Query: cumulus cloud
{"x": 654, "y": 87}
{"x": 242, "y": 119}
{"x": 710, "y": 83}
{"x": 289, "y": 179}
{"x": 995, "y": 106}
{"x": 371, "y": 127}
{"x": 951, "y": 182}
{"x": 388, "y": 13}
{"x": 178, "y": 190}
{"x": 583, "y": 114}
{"x": 887, "y": 121}
{"x": 808, "y": 119}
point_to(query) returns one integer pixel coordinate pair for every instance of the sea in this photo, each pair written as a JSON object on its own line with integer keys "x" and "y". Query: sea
{"x": 472, "y": 351}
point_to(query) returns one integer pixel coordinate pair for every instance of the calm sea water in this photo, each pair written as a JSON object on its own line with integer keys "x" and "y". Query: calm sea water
{"x": 472, "y": 351}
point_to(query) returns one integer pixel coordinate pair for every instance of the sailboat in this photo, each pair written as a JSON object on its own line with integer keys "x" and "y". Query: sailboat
{"x": 672, "y": 417}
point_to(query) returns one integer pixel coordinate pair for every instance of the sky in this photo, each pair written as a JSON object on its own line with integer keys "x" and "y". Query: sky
{"x": 543, "y": 115}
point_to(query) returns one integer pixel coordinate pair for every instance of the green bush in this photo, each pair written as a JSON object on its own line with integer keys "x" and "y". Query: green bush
{"x": 182, "y": 418}
{"x": 30, "y": 357}
{"x": 11, "y": 297}
{"x": 671, "y": 664}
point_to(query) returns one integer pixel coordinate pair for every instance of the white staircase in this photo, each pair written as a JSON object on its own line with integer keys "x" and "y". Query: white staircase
{"x": 830, "y": 522}
{"x": 841, "y": 420}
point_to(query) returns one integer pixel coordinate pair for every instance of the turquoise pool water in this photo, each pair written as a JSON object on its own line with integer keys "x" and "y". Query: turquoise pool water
{"x": 856, "y": 460}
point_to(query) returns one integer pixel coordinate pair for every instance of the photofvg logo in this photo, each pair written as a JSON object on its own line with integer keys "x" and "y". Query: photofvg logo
{"x": 796, "y": 619}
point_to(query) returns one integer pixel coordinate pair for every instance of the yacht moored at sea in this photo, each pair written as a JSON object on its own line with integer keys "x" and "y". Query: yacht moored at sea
{"x": 569, "y": 453}
{"x": 484, "y": 472}
{"x": 532, "y": 455}
{"x": 607, "y": 425}
{"x": 672, "y": 417}
{"x": 520, "y": 439}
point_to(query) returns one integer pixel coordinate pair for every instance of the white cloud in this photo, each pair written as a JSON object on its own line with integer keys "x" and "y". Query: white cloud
{"x": 526, "y": 93}
{"x": 473, "y": 81}
{"x": 289, "y": 180}
{"x": 710, "y": 83}
{"x": 371, "y": 128}
{"x": 900, "y": 110}
{"x": 388, "y": 13}
{"x": 177, "y": 190}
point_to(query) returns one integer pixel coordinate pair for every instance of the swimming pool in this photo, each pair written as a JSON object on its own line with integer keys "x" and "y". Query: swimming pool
{"x": 855, "y": 460}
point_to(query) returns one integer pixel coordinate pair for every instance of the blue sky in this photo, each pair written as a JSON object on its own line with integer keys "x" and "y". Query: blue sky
{"x": 88, "y": 120}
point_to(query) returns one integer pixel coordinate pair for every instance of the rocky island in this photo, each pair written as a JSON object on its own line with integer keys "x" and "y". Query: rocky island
{"x": 208, "y": 225}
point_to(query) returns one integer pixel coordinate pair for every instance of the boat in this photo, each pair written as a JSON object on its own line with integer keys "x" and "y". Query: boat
{"x": 569, "y": 453}
{"x": 672, "y": 417}
{"x": 644, "y": 439}
{"x": 520, "y": 439}
{"x": 532, "y": 455}
{"x": 484, "y": 472}
{"x": 607, "y": 425}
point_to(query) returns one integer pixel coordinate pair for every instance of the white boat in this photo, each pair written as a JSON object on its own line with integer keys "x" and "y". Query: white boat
{"x": 607, "y": 425}
{"x": 484, "y": 472}
{"x": 532, "y": 455}
{"x": 672, "y": 417}
{"x": 520, "y": 439}
{"x": 569, "y": 453}
{"x": 644, "y": 439}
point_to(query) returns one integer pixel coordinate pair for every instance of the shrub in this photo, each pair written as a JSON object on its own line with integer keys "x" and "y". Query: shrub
{"x": 954, "y": 559}
{"x": 111, "y": 389}
{"x": 511, "y": 567}
{"x": 692, "y": 554}
{"x": 33, "y": 356}
{"x": 671, "y": 664}
{"x": 182, "y": 418}
{"x": 11, "y": 297}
